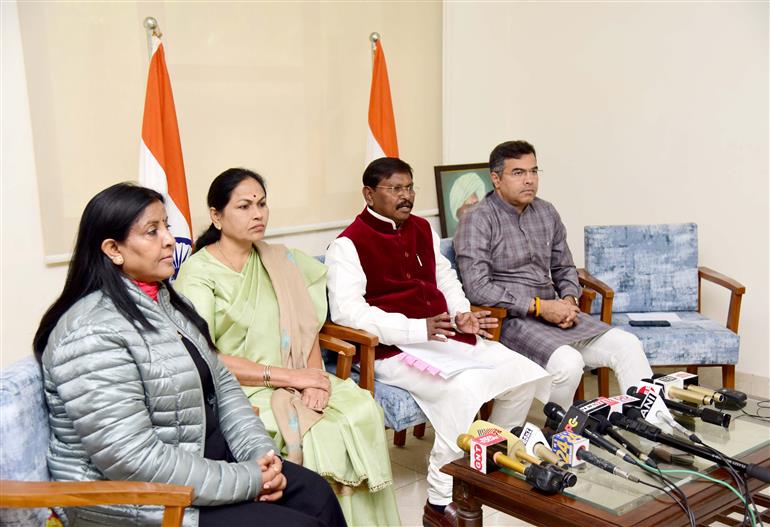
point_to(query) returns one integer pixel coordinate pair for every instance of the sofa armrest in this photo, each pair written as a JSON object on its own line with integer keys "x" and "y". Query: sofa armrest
{"x": 736, "y": 289}
{"x": 591, "y": 282}
{"x": 33, "y": 494}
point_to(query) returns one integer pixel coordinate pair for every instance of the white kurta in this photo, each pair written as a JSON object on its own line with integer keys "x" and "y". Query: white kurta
{"x": 450, "y": 404}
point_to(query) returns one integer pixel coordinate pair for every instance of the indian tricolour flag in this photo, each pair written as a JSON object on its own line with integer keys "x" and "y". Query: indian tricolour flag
{"x": 160, "y": 159}
{"x": 381, "y": 140}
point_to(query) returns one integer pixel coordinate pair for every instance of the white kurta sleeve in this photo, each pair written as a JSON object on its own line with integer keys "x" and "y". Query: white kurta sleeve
{"x": 347, "y": 286}
{"x": 447, "y": 281}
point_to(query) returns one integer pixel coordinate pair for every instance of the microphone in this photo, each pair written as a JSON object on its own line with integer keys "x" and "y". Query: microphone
{"x": 574, "y": 447}
{"x": 517, "y": 449}
{"x": 707, "y": 415}
{"x": 536, "y": 443}
{"x": 672, "y": 457}
{"x": 545, "y": 478}
{"x": 724, "y": 398}
{"x": 653, "y": 433}
{"x": 575, "y": 421}
{"x": 603, "y": 426}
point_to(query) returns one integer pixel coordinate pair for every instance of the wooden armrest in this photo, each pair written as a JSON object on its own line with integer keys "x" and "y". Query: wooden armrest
{"x": 336, "y": 345}
{"x": 357, "y": 336}
{"x": 345, "y": 350}
{"x": 590, "y": 282}
{"x": 587, "y": 297}
{"x": 711, "y": 275}
{"x": 22, "y": 494}
{"x": 366, "y": 344}
{"x": 736, "y": 289}
{"x": 500, "y": 313}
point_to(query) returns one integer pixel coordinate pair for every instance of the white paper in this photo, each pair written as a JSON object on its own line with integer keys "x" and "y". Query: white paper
{"x": 450, "y": 357}
{"x": 654, "y": 315}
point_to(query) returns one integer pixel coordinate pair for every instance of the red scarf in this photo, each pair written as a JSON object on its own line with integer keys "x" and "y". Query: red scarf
{"x": 150, "y": 289}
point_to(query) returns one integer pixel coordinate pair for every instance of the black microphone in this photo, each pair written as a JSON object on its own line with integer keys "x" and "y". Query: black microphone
{"x": 603, "y": 426}
{"x": 575, "y": 421}
{"x": 648, "y": 431}
{"x": 605, "y": 465}
{"x": 598, "y": 410}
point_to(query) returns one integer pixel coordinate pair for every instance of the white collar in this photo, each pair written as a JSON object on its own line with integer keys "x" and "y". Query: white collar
{"x": 382, "y": 218}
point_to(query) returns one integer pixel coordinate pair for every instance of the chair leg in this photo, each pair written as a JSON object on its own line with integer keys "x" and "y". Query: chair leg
{"x": 580, "y": 393}
{"x": 604, "y": 382}
{"x": 419, "y": 430}
{"x": 486, "y": 410}
{"x": 693, "y": 370}
{"x": 728, "y": 376}
{"x": 399, "y": 438}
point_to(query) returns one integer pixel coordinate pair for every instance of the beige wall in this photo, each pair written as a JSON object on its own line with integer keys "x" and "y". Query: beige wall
{"x": 280, "y": 87}
{"x": 640, "y": 112}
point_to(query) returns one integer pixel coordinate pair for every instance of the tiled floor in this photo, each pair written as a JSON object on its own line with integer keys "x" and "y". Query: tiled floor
{"x": 410, "y": 465}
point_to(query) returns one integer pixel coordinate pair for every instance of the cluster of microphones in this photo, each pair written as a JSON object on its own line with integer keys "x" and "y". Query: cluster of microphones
{"x": 545, "y": 459}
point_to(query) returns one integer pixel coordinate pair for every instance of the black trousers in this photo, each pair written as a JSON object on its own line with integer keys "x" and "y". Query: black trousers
{"x": 308, "y": 500}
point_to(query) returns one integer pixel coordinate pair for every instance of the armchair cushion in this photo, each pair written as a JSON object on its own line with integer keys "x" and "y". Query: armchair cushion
{"x": 650, "y": 267}
{"x": 694, "y": 340}
{"x": 23, "y": 435}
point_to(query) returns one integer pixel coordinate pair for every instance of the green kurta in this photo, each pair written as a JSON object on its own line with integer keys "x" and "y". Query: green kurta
{"x": 348, "y": 446}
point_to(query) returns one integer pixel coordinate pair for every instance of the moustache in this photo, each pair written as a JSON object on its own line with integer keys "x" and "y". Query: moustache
{"x": 405, "y": 203}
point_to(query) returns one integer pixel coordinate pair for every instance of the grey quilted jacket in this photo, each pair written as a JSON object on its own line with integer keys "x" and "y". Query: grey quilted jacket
{"x": 127, "y": 404}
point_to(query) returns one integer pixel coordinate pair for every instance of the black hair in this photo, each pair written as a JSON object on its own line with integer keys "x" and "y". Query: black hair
{"x": 508, "y": 150}
{"x": 383, "y": 168}
{"x": 109, "y": 214}
{"x": 219, "y": 196}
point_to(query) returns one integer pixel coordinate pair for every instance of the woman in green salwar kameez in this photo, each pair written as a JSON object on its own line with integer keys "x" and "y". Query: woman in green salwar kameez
{"x": 264, "y": 305}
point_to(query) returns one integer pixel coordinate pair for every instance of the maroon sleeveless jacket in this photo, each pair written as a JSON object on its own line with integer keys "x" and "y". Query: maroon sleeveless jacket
{"x": 400, "y": 269}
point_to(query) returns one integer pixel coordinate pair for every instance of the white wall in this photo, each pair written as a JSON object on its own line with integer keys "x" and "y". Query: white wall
{"x": 26, "y": 284}
{"x": 640, "y": 113}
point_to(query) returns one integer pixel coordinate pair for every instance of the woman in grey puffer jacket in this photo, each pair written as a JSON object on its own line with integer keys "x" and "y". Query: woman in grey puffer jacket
{"x": 136, "y": 392}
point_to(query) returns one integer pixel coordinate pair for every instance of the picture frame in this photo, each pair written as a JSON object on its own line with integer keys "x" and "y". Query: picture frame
{"x": 458, "y": 187}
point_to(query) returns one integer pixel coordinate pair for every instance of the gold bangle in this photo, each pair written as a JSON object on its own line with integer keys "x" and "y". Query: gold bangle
{"x": 537, "y": 307}
{"x": 266, "y": 376}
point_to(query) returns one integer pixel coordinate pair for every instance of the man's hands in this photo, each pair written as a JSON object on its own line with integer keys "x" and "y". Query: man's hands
{"x": 440, "y": 327}
{"x": 476, "y": 322}
{"x": 562, "y": 312}
{"x": 273, "y": 480}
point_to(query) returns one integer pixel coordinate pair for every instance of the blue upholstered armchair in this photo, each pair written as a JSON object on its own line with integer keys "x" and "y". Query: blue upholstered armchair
{"x": 24, "y": 478}
{"x": 649, "y": 268}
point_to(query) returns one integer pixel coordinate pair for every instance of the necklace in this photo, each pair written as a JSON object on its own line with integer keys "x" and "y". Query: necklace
{"x": 227, "y": 260}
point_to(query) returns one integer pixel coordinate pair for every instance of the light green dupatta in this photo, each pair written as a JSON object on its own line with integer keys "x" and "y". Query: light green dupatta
{"x": 298, "y": 326}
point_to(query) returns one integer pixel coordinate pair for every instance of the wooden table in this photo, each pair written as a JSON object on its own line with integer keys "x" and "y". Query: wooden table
{"x": 513, "y": 496}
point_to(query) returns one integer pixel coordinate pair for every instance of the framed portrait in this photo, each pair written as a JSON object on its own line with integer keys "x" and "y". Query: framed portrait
{"x": 459, "y": 187}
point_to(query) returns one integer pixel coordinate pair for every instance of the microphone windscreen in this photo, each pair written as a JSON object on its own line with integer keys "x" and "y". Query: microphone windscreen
{"x": 516, "y": 430}
{"x": 632, "y": 391}
{"x": 552, "y": 411}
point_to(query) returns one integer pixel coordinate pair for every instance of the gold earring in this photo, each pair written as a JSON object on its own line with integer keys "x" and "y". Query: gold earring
{"x": 217, "y": 226}
{"x": 117, "y": 260}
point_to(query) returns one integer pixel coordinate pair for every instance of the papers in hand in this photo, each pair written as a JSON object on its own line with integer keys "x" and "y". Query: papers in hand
{"x": 654, "y": 315}
{"x": 444, "y": 359}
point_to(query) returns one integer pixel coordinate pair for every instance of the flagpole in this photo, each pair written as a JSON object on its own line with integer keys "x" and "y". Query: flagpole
{"x": 373, "y": 38}
{"x": 152, "y": 28}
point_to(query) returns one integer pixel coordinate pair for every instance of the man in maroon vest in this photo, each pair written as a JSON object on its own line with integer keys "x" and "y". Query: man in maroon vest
{"x": 387, "y": 276}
